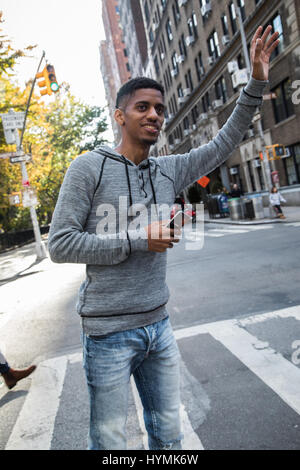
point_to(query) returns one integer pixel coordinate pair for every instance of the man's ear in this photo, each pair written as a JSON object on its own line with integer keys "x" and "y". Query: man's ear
{"x": 119, "y": 117}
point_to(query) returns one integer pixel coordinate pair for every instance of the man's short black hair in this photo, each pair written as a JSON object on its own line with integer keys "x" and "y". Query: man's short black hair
{"x": 134, "y": 84}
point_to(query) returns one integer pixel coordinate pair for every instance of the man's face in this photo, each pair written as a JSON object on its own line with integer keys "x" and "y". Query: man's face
{"x": 143, "y": 115}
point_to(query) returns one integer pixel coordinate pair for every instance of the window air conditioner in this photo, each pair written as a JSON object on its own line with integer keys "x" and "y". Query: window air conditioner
{"x": 174, "y": 72}
{"x": 186, "y": 91}
{"x": 155, "y": 26}
{"x": 194, "y": 127}
{"x": 162, "y": 55}
{"x": 232, "y": 66}
{"x": 211, "y": 60}
{"x": 225, "y": 39}
{"x": 180, "y": 59}
{"x": 177, "y": 141}
{"x": 182, "y": 2}
{"x": 203, "y": 117}
{"x": 217, "y": 103}
{"x": 186, "y": 132}
{"x": 190, "y": 40}
{"x": 181, "y": 99}
{"x": 205, "y": 9}
{"x": 240, "y": 77}
{"x": 256, "y": 163}
{"x": 233, "y": 171}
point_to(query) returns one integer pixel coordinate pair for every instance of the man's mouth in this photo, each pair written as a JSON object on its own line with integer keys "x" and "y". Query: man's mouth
{"x": 151, "y": 129}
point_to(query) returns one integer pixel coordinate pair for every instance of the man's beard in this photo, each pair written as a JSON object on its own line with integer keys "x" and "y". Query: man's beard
{"x": 149, "y": 142}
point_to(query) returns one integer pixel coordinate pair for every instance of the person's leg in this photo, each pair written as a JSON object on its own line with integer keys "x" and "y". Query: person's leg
{"x": 278, "y": 209}
{"x": 107, "y": 363}
{"x": 4, "y": 367}
{"x": 158, "y": 382}
{"x": 12, "y": 376}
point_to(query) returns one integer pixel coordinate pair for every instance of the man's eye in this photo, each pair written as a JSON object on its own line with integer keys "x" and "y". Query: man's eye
{"x": 142, "y": 107}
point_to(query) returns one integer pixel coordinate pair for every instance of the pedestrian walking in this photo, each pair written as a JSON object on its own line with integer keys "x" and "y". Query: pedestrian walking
{"x": 235, "y": 192}
{"x": 275, "y": 199}
{"x": 12, "y": 376}
{"x": 122, "y": 301}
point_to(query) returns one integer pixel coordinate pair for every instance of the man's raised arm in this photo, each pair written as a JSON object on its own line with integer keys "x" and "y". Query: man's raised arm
{"x": 189, "y": 167}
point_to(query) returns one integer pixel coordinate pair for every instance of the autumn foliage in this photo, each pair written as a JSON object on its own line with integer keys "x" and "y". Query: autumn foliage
{"x": 56, "y": 133}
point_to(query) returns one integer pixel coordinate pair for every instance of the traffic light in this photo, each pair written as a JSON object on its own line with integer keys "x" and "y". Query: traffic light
{"x": 49, "y": 84}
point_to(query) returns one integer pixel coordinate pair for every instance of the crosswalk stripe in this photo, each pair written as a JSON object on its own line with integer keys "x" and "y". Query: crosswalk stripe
{"x": 293, "y": 224}
{"x": 271, "y": 367}
{"x": 34, "y": 427}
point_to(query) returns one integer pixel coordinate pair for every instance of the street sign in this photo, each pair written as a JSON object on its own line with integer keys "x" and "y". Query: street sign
{"x": 29, "y": 198}
{"x": 19, "y": 153}
{"x": 203, "y": 181}
{"x": 20, "y": 158}
{"x": 12, "y": 120}
{"x": 15, "y": 199}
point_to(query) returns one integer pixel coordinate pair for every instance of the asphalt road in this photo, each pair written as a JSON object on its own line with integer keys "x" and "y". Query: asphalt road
{"x": 234, "y": 308}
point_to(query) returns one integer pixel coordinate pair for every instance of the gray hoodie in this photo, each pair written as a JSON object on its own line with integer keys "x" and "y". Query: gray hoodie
{"x": 125, "y": 285}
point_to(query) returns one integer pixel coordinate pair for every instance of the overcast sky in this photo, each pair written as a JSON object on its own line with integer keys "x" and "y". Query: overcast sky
{"x": 69, "y": 31}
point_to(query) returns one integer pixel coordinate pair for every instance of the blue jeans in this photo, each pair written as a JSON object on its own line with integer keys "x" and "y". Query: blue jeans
{"x": 149, "y": 353}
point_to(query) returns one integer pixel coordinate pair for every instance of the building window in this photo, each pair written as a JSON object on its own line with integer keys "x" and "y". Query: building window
{"x": 186, "y": 124}
{"x": 169, "y": 31}
{"x": 188, "y": 80}
{"x": 241, "y": 5}
{"x": 220, "y": 89}
{"x": 277, "y": 26}
{"x": 151, "y": 37}
{"x": 192, "y": 25}
{"x": 205, "y": 103}
{"x": 147, "y": 14}
{"x": 233, "y": 18}
{"x": 199, "y": 66}
{"x": 156, "y": 65}
{"x": 224, "y": 24}
{"x": 180, "y": 91}
{"x": 174, "y": 62}
{"x": 213, "y": 45}
{"x": 292, "y": 165}
{"x": 282, "y": 105}
{"x": 195, "y": 114}
{"x": 176, "y": 12}
{"x": 182, "y": 47}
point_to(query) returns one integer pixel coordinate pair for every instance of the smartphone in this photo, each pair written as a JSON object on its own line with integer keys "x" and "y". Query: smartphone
{"x": 179, "y": 219}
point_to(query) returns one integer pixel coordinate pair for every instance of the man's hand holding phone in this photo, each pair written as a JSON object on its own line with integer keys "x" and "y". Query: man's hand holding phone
{"x": 161, "y": 237}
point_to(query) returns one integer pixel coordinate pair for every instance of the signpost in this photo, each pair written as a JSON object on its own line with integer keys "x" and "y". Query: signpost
{"x": 11, "y": 122}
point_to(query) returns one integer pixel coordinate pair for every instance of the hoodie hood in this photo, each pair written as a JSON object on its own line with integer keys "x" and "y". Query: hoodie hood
{"x": 149, "y": 163}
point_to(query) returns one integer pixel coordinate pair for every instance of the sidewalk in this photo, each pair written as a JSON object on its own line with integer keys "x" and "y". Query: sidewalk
{"x": 21, "y": 261}
{"x": 292, "y": 214}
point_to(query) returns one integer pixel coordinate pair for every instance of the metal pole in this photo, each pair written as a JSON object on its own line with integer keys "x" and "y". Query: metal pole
{"x": 29, "y": 99}
{"x": 39, "y": 244}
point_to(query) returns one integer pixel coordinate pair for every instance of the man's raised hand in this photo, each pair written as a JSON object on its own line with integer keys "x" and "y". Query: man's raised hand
{"x": 261, "y": 50}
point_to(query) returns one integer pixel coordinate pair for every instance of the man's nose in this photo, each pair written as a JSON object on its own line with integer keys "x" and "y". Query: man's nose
{"x": 152, "y": 114}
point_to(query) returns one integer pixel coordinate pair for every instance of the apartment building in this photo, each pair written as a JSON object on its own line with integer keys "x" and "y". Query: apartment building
{"x": 197, "y": 53}
{"x": 113, "y": 58}
{"x": 134, "y": 37}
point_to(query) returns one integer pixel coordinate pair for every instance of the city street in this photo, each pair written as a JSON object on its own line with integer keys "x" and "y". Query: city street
{"x": 235, "y": 309}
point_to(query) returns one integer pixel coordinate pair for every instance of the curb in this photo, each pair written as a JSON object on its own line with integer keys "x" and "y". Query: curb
{"x": 262, "y": 222}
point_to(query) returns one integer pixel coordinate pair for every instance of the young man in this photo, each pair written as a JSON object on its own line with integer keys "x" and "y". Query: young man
{"x": 122, "y": 302}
